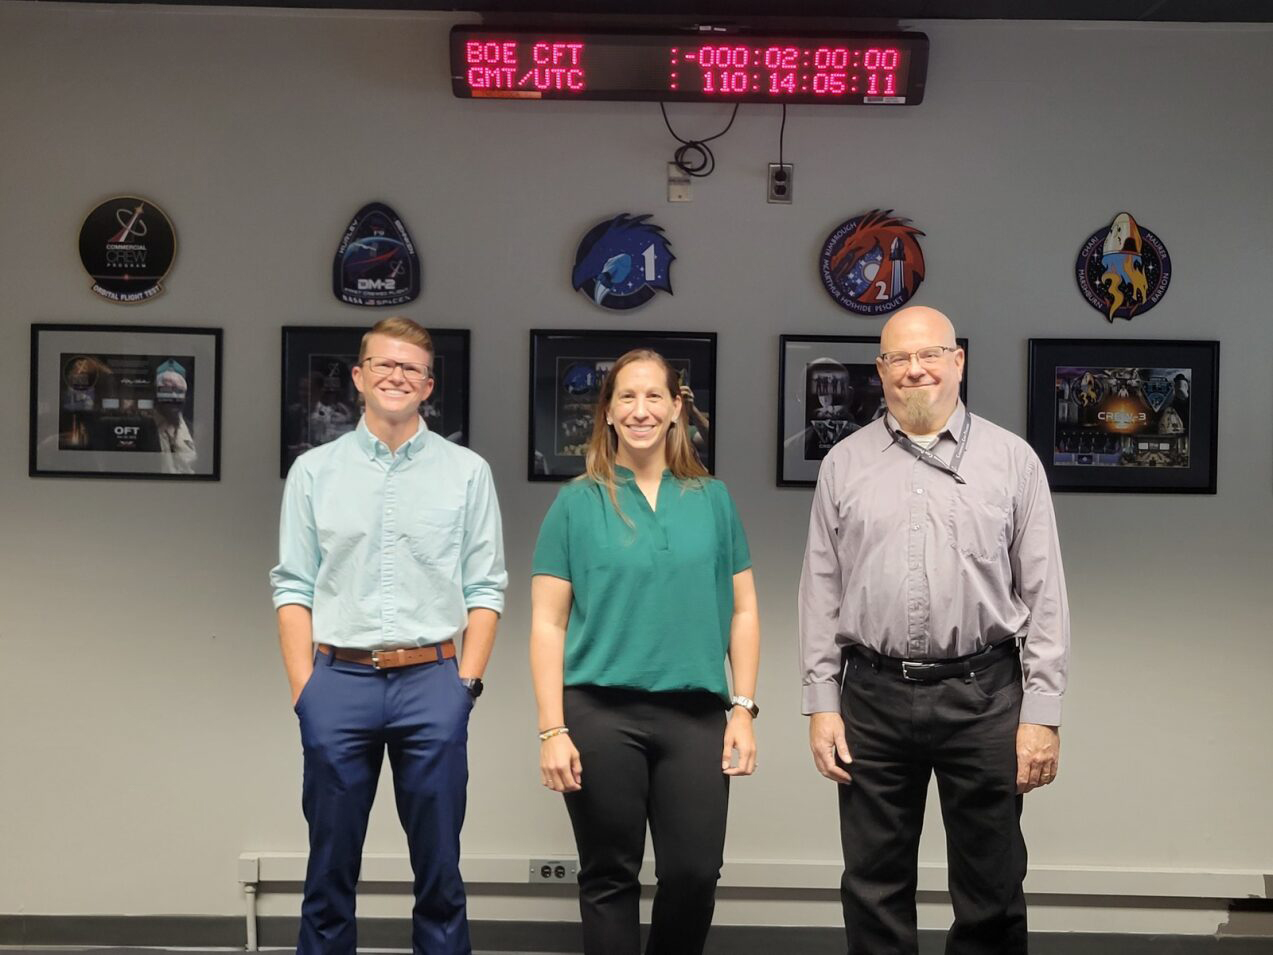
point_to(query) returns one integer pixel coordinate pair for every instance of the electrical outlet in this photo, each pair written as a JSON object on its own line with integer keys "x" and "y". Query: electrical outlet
{"x": 556, "y": 871}
{"x": 780, "y": 182}
{"x": 678, "y": 184}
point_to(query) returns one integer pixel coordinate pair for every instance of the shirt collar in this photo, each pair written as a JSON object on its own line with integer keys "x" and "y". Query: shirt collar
{"x": 627, "y": 475}
{"x": 373, "y": 447}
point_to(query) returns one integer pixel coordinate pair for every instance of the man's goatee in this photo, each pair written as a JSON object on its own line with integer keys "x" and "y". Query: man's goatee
{"x": 919, "y": 413}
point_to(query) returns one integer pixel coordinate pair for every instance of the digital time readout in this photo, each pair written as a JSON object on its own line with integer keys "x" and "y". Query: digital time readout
{"x": 887, "y": 69}
{"x": 780, "y": 70}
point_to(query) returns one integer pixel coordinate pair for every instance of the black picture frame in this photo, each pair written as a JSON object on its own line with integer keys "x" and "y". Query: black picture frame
{"x": 320, "y": 358}
{"x": 806, "y": 433}
{"x": 125, "y": 401}
{"x": 566, "y": 370}
{"x": 1125, "y": 415}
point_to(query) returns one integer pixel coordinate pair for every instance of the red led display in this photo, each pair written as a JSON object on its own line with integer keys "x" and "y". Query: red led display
{"x": 883, "y": 68}
{"x": 726, "y": 70}
{"x": 492, "y": 65}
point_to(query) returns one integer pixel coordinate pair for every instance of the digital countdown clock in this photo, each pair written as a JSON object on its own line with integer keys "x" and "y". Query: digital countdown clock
{"x": 850, "y": 69}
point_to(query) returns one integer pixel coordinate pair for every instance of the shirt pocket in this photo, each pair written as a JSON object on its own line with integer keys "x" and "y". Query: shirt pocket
{"x": 434, "y": 534}
{"x": 977, "y": 523}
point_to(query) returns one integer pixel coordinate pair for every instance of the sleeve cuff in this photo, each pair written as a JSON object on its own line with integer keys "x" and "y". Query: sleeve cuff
{"x": 820, "y": 698}
{"x": 543, "y": 570}
{"x": 283, "y": 598}
{"x": 1041, "y": 708}
{"x": 485, "y": 602}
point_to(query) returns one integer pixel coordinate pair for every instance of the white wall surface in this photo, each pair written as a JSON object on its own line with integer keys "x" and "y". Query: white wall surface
{"x": 145, "y": 733}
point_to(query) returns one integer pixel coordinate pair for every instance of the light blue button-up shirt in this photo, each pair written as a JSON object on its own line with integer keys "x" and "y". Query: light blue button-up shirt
{"x": 389, "y": 549}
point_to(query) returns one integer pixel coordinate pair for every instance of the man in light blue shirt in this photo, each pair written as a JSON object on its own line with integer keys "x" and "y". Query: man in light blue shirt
{"x": 390, "y": 547}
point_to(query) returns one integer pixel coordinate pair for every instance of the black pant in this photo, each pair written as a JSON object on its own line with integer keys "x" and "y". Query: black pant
{"x": 964, "y": 729}
{"x": 647, "y": 757}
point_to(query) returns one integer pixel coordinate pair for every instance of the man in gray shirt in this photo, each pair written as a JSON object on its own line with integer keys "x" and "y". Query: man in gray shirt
{"x": 934, "y": 633}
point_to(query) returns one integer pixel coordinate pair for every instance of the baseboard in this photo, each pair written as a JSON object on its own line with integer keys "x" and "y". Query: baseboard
{"x": 187, "y": 931}
{"x": 209, "y": 932}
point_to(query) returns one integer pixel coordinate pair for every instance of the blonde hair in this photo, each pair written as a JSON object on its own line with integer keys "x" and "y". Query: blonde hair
{"x": 599, "y": 463}
{"x": 401, "y": 328}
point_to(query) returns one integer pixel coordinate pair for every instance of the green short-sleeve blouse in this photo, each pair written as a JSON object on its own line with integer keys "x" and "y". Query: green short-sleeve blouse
{"x": 652, "y": 601}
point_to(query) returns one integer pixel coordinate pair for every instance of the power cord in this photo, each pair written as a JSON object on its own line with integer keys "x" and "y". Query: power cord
{"x": 779, "y": 179}
{"x": 781, "y": 132}
{"x": 705, "y": 163}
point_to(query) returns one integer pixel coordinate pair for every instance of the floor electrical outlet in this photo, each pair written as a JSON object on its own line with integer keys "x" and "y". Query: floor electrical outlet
{"x": 779, "y": 182}
{"x": 559, "y": 871}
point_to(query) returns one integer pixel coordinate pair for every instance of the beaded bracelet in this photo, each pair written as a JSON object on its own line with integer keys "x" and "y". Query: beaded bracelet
{"x": 554, "y": 731}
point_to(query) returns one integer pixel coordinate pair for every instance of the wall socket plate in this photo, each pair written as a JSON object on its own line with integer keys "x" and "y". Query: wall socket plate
{"x": 678, "y": 184}
{"x": 779, "y": 182}
{"x": 554, "y": 871}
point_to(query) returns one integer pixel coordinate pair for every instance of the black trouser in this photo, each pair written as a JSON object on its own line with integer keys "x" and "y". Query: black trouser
{"x": 964, "y": 729}
{"x": 647, "y": 757}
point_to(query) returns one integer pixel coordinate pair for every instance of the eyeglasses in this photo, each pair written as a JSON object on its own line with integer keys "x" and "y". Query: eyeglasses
{"x": 383, "y": 368}
{"x": 927, "y": 356}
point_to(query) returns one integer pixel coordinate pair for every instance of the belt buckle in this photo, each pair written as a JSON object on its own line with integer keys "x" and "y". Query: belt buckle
{"x": 375, "y": 659}
{"x": 909, "y": 665}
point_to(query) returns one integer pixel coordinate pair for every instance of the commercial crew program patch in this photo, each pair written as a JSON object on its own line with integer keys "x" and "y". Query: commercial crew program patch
{"x": 127, "y": 245}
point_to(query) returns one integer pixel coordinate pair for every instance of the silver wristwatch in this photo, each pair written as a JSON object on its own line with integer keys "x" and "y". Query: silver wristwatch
{"x": 747, "y": 703}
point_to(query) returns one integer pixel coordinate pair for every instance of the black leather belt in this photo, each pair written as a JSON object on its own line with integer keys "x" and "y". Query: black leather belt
{"x": 932, "y": 671}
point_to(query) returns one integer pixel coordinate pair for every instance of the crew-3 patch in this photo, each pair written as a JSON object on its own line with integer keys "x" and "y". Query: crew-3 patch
{"x": 1123, "y": 269}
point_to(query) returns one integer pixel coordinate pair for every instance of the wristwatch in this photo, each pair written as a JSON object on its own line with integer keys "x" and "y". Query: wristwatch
{"x": 747, "y": 703}
{"x": 473, "y": 684}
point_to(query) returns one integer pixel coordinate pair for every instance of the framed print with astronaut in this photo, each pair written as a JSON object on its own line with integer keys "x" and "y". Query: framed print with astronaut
{"x": 1122, "y": 415}
{"x": 125, "y": 401}
{"x": 567, "y": 369}
{"x": 828, "y": 387}
{"x": 320, "y": 402}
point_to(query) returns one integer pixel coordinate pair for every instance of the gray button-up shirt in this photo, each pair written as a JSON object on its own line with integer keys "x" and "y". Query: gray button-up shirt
{"x": 905, "y": 560}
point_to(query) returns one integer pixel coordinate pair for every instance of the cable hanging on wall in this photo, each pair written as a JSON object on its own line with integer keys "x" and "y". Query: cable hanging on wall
{"x": 782, "y": 130}
{"x": 705, "y": 162}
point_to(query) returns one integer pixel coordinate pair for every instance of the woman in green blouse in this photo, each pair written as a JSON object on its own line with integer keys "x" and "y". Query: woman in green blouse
{"x": 642, "y": 589}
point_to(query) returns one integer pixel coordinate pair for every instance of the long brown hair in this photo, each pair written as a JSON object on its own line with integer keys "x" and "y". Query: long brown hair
{"x": 682, "y": 459}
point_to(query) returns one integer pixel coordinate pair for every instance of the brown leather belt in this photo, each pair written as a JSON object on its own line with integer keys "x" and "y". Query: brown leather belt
{"x": 393, "y": 658}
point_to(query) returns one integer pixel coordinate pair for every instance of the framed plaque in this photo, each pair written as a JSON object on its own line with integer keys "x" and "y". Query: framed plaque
{"x": 125, "y": 401}
{"x": 320, "y": 402}
{"x": 1123, "y": 415}
{"x": 567, "y": 369}
{"x": 828, "y": 387}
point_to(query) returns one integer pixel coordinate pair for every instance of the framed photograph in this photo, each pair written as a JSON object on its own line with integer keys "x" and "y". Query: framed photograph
{"x": 828, "y": 387}
{"x": 1123, "y": 415}
{"x": 566, "y": 372}
{"x": 320, "y": 402}
{"x": 125, "y": 401}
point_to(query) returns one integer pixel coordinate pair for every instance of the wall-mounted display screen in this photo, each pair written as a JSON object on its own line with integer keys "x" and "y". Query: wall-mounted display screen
{"x": 848, "y": 69}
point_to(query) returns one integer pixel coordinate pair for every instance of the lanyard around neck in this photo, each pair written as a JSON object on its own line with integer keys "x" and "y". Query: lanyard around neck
{"x": 931, "y": 459}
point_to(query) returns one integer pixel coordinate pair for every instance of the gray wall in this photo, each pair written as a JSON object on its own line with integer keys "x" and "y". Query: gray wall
{"x": 145, "y": 734}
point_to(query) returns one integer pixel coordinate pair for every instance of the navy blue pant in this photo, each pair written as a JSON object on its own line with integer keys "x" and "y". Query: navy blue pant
{"x": 350, "y": 713}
